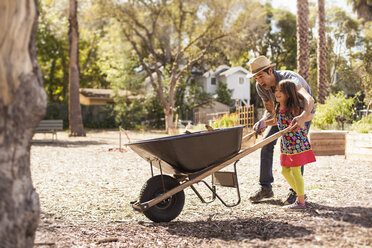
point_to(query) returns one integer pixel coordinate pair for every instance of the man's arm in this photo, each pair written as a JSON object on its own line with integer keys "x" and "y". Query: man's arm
{"x": 269, "y": 110}
{"x": 299, "y": 121}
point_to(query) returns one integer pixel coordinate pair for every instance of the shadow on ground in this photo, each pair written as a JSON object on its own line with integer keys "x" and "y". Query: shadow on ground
{"x": 271, "y": 202}
{"x": 63, "y": 143}
{"x": 360, "y": 216}
{"x": 238, "y": 229}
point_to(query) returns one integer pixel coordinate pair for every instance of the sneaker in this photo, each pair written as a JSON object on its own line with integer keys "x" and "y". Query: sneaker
{"x": 261, "y": 193}
{"x": 295, "y": 206}
{"x": 291, "y": 197}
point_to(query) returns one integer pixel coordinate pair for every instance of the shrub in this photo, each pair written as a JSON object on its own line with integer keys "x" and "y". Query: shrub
{"x": 228, "y": 120}
{"x": 336, "y": 106}
{"x": 364, "y": 125}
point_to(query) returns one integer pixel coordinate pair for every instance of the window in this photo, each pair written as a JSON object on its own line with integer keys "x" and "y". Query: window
{"x": 213, "y": 81}
{"x": 241, "y": 80}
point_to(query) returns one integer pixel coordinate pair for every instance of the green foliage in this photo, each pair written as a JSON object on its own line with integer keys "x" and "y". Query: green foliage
{"x": 52, "y": 55}
{"x": 343, "y": 43}
{"x": 129, "y": 113}
{"x": 97, "y": 116}
{"x": 155, "y": 113}
{"x": 52, "y": 52}
{"x": 223, "y": 93}
{"x": 336, "y": 105}
{"x": 364, "y": 125}
{"x": 189, "y": 94}
{"x": 93, "y": 116}
{"x": 139, "y": 113}
{"x": 108, "y": 58}
{"x": 227, "y": 120}
{"x": 283, "y": 41}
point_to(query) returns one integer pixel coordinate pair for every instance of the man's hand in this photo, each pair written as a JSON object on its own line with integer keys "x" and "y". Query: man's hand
{"x": 297, "y": 123}
{"x": 259, "y": 127}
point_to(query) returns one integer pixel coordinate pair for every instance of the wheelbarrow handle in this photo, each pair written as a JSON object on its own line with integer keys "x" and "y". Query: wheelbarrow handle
{"x": 264, "y": 142}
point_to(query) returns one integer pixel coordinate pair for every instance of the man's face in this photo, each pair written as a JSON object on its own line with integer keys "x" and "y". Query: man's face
{"x": 266, "y": 80}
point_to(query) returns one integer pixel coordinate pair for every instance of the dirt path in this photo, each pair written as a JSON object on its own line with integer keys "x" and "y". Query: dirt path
{"x": 85, "y": 187}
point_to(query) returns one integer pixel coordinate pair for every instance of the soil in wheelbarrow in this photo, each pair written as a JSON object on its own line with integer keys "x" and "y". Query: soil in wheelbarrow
{"x": 85, "y": 187}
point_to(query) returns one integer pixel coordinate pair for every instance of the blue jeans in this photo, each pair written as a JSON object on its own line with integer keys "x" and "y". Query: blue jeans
{"x": 267, "y": 154}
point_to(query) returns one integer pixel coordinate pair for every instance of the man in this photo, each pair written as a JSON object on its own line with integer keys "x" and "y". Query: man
{"x": 266, "y": 80}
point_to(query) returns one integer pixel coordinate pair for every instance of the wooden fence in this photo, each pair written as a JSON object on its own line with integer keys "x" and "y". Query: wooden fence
{"x": 245, "y": 116}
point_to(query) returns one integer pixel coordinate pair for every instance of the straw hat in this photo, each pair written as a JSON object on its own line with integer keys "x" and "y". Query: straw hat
{"x": 259, "y": 64}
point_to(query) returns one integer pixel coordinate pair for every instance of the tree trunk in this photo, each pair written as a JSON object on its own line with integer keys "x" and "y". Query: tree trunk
{"x": 75, "y": 119}
{"x": 169, "y": 115}
{"x": 322, "y": 59}
{"x": 364, "y": 10}
{"x": 303, "y": 53}
{"x": 22, "y": 106}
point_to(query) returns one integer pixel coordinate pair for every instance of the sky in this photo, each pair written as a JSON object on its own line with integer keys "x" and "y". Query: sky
{"x": 291, "y": 5}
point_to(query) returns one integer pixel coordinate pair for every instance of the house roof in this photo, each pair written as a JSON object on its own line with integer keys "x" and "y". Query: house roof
{"x": 224, "y": 70}
{"x": 232, "y": 70}
{"x": 208, "y": 73}
{"x": 218, "y": 71}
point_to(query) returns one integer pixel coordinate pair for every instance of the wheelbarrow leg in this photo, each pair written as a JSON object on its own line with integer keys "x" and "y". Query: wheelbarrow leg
{"x": 212, "y": 188}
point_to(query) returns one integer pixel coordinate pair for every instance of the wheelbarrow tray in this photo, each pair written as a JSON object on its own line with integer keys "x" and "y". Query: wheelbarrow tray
{"x": 190, "y": 153}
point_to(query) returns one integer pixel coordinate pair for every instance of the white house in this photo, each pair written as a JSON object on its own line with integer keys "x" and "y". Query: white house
{"x": 234, "y": 77}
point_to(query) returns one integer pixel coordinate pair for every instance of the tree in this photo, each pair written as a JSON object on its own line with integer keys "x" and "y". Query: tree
{"x": 22, "y": 106}
{"x": 322, "y": 59}
{"x": 303, "y": 58}
{"x": 169, "y": 37}
{"x": 223, "y": 93}
{"x": 283, "y": 43}
{"x": 53, "y": 49}
{"x": 75, "y": 119}
{"x": 363, "y": 9}
{"x": 52, "y": 54}
{"x": 344, "y": 39}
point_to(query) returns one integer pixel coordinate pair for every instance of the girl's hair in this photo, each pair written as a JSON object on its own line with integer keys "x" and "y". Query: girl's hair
{"x": 294, "y": 102}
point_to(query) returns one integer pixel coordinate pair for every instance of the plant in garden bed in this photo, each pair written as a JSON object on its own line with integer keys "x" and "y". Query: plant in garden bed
{"x": 364, "y": 125}
{"x": 227, "y": 120}
{"x": 337, "y": 107}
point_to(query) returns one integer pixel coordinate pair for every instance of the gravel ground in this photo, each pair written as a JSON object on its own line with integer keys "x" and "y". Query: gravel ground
{"x": 85, "y": 185}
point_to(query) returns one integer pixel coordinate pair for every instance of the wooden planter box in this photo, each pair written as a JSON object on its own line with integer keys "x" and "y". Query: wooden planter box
{"x": 325, "y": 143}
{"x": 359, "y": 146}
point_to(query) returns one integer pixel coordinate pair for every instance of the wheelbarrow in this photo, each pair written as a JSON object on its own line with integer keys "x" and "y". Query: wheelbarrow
{"x": 187, "y": 159}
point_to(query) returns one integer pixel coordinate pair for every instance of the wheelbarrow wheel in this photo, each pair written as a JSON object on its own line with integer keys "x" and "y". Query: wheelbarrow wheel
{"x": 168, "y": 209}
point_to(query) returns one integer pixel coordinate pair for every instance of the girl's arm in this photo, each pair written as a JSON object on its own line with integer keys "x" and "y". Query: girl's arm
{"x": 299, "y": 121}
{"x": 309, "y": 117}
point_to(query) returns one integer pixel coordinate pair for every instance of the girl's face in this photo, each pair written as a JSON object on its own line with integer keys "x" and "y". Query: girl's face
{"x": 280, "y": 96}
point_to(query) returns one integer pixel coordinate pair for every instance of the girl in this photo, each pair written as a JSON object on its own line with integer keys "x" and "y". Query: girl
{"x": 295, "y": 147}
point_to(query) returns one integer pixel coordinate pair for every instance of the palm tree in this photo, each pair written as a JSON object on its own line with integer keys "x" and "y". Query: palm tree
{"x": 75, "y": 119}
{"x": 363, "y": 9}
{"x": 322, "y": 60}
{"x": 303, "y": 53}
{"x": 22, "y": 106}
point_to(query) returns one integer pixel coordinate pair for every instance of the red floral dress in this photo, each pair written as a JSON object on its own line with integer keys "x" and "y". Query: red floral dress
{"x": 295, "y": 147}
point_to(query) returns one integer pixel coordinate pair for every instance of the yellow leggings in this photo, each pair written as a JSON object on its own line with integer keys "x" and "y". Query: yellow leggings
{"x": 294, "y": 178}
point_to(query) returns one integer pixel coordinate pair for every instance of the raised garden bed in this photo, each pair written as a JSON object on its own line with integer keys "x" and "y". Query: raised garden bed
{"x": 358, "y": 146}
{"x": 325, "y": 143}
